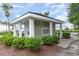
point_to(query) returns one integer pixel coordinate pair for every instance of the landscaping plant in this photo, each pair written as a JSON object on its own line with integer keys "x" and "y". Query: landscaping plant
{"x": 66, "y": 35}
{"x": 18, "y": 42}
{"x": 47, "y": 40}
{"x": 7, "y": 39}
{"x": 1, "y": 39}
{"x": 55, "y": 38}
{"x": 50, "y": 39}
{"x": 33, "y": 43}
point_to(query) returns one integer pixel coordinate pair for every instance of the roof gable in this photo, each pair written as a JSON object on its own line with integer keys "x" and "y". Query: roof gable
{"x": 40, "y": 15}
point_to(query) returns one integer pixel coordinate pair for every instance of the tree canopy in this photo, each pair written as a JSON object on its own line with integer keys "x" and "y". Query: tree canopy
{"x": 74, "y": 14}
{"x": 6, "y": 8}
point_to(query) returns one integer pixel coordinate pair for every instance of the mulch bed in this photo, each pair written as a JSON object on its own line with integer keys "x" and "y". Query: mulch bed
{"x": 45, "y": 50}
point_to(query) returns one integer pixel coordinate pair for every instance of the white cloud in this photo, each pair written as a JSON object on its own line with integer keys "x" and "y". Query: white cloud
{"x": 62, "y": 17}
{"x": 17, "y": 6}
{"x": 57, "y": 9}
{"x": 68, "y": 25}
{"x": 47, "y": 4}
{"x": 30, "y": 4}
{"x": 17, "y": 16}
{"x": 60, "y": 12}
{"x": 0, "y": 4}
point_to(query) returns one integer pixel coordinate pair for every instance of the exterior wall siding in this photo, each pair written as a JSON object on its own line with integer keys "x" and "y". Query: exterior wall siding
{"x": 38, "y": 27}
{"x": 53, "y": 28}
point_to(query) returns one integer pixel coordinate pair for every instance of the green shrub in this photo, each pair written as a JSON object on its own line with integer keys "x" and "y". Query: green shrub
{"x": 50, "y": 39}
{"x": 1, "y": 39}
{"x": 7, "y": 40}
{"x": 66, "y": 35}
{"x": 28, "y": 42}
{"x": 33, "y": 43}
{"x": 47, "y": 40}
{"x": 18, "y": 42}
{"x": 6, "y": 33}
{"x": 55, "y": 38}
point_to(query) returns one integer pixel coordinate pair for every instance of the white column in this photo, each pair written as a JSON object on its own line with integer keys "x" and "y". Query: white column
{"x": 25, "y": 30}
{"x": 31, "y": 28}
{"x": 14, "y": 33}
{"x": 14, "y": 30}
{"x": 20, "y": 30}
{"x": 51, "y": 28}
{"x": 60, "y": 30}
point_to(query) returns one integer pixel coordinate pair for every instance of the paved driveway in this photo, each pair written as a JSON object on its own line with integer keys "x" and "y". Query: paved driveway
{"x": 64, "y": 43}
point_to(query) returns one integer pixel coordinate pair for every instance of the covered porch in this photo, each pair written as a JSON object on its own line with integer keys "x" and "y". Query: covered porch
{"x": 33, "y": 27}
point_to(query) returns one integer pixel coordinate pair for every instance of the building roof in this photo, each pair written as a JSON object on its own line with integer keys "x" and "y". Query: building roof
{"x": 39, "y": 15}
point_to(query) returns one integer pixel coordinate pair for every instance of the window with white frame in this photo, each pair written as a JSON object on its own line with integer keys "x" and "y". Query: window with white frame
{"x": 45, "y": 31}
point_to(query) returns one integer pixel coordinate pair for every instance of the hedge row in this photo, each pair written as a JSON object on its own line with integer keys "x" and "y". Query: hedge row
{"x": 32, "y": 43}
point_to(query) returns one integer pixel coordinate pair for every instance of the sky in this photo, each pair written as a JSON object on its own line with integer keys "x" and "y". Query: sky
{"x": 56, "y": 10}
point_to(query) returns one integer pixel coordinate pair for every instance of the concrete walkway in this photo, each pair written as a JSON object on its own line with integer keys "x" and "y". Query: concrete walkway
{"x": 64, "y": 43}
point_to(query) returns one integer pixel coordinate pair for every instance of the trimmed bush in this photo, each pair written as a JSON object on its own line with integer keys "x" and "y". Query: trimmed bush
{"x": 47, "y": 40}
{"x": 50, "y": 39}
{"x": 33, "y": 43}
{"x": 7, "y": 33}
{"x": 55, "y": 38}
{"x": 7, "y": 40}
{"x": 66, "y": 35}
{"x": 18, "y": 42}
{"x": 28, "y": 42}
{"x": 1, "y": 39}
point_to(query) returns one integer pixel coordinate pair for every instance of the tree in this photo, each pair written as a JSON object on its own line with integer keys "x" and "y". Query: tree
{"x": 7, "y": 8}
{"x": 74, "y": 14}
{"x": 46, "y": 13}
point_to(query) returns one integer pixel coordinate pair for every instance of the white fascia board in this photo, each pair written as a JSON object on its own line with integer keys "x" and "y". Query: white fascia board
{"x": 18, "y": 19}
{"x": 44, "y": 18}
{"x": 36, "y": 16}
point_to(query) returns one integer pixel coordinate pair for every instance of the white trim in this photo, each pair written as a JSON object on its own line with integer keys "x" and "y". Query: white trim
{"x": 25, "y": 30}
{"x": 20, "y": 30}
{"x": 14, "y": 33}
{"x": 31, "y": 28}
{"x": 36, "y": 16}
{"x": 51, "y": 28}
{"x": 44, "y": 18}
{"x": 60, "y": 30}
{"x": 25, "y": 16}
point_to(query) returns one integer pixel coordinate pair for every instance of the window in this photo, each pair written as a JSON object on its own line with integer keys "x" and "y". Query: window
{"x": 46, "y": 31}
{"x": 28, "y": 30}
{"x": 17, "y": 33}
{"x": 23, "y": 34}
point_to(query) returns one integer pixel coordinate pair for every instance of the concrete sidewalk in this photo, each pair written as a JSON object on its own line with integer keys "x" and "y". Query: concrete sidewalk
{"x": 64, "y": 43}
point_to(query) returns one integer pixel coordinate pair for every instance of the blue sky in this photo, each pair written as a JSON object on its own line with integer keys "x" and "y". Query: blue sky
{"x": 57, "y": 10}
